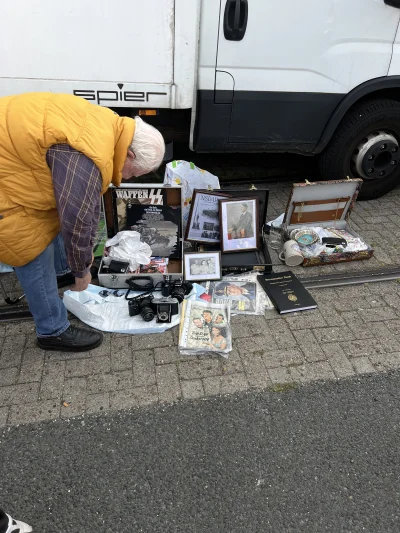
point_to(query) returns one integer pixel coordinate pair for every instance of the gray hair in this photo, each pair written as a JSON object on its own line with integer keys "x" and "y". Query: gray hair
{"x": 148, "y": 146}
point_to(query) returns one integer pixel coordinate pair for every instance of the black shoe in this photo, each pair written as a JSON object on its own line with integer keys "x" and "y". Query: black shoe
{"x": 72, "y": 340}
{"x": 65, "y": 280}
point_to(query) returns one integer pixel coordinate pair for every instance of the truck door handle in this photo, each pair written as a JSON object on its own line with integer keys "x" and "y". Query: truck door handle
{"x": 235, "y": 19}
{"x": 393, "y": 3}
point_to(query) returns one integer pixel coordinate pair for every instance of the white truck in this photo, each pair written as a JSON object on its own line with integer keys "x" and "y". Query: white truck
{"x": 314, "y": 77}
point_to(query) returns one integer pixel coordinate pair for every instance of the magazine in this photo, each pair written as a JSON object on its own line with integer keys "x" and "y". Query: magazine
{"x": 123, "y": 197}
{"x": 158, "y": 225}
{"x": 205, "y": 328}
{"x": 239, "y": 294}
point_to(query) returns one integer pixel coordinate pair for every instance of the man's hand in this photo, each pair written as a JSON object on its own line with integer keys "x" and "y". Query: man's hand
{"x": 81, "y": 284}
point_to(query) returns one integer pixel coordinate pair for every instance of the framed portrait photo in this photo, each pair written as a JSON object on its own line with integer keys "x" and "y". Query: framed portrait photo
{"x": 203, "y": 223}
{"x": 239, "y": 224}
{"x": 202, "y": 266}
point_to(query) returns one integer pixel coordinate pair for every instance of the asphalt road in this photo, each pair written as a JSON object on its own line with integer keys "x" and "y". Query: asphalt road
{"x": 319, "y": 458}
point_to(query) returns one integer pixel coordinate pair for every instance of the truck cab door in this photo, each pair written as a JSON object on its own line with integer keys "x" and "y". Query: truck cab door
{"x": 285, "y": 66}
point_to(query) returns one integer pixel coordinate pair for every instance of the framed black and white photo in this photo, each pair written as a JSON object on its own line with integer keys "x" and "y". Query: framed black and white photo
{"x": 239, "y": 224}
{"x": 203, "y": 222}
{"x": 203, "y": 266}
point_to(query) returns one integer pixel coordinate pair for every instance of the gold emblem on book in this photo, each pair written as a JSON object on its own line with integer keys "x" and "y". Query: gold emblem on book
{"x": 292, "y": 297}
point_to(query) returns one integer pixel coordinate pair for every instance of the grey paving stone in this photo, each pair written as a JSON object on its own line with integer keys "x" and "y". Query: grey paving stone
{"x": 362, "y": 365}
{"x": 280, "y": 376}
{"x": 383, "y": 287}
{"x": 282, "y": 334}
{"x": 306, "y": 319}
{"x": 312, "y": 371}
{"x": 333, "y": 334}
{"x": 52, "y": 380}
{"x": 74, "y": 397}
{"x": 3, "y": 416}
{"x": 154, "y": 340}
{"x": 225, "y": 384}
{"x": 311, "y": 348}
{"x": 364, "y": 347}
{"x": 363, "y": 302}
{"x": 192, "y": 389}
{"x": 34, "y": 412}
{"x": 232, "y": 363}
{"x": 258, "y": 343}
{"x": 18, "y": 394}
{"x": 377, "y": 314}
{"x": 11, "y": 351}
{"x": 283, "y": 358}
{"x": 143, "y": 368}
{"x": 323, "y": 296}
{"x": 357, "y": 325}
{"x": 32, "y": 366}
{"x": 19, "y": 327}
{"x": 97, "y": 403}
{"x": 147, "y": 395}
{"x": 388, "y": 339}
{"x": 8, "y": 376}
{"x": 169, "y": 354}
{"x": 337, "y": 359}
{"x": 110, "y": 382}
{"x": 386, "y": 361}
{"x": 123, "y": 399}
{"x": 351, "y": 292}
{"x": 121, "y": 353}
{"x": 240, "y": 327}
{"x": 331, "y": 315}
{"x": 199, "y": 369}
{"x": 392, "y": 300}
{"x": 87, "y": 367}
{"x": 255, "y": 370}
{"x": 393, "y": 325}
{"x": 257, "y": 324}
{"x": 168, "y": 383}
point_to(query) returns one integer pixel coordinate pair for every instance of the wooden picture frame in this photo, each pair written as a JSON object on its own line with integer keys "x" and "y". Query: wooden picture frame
{"x": 242, "y": 235}
{"x": 202, "y": 266}
{"x": 200, "y": 227}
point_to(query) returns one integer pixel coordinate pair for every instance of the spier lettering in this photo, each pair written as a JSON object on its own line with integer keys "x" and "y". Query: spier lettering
{"x": 116, "y": 96}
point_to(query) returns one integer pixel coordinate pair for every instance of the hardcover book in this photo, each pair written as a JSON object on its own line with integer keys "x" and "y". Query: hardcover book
{"x": 286, "y": 292}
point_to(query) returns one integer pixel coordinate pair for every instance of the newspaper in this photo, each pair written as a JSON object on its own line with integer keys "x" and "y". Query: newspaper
{"x": 205, "y": 328}
{"x": 243, "y": 294}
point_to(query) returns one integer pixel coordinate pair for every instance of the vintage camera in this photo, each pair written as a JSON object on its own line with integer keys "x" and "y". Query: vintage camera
{"x": 148, "y": 307}
{"x": 175, "y": 288}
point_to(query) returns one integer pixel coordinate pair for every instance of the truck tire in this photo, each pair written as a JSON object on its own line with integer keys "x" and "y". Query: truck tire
{"x": 366, "y": 145}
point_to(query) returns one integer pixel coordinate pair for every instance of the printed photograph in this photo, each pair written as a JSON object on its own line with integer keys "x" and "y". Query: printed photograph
{"x": 200, "y": 266}
{"x": 208, "y": 328}
{"x": 158, "y": 226}
{"x": 203, "y": 224}
{"x": 240, "y": 295}
{"x": 239, "y": 222}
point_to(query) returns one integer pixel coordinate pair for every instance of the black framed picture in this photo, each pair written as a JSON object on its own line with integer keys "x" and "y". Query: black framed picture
{"x": 203, "y": 223}
{"x": 239, "y": 224}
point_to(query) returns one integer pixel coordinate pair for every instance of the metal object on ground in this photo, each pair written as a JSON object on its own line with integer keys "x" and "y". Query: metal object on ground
{"x": 351, "y": 278}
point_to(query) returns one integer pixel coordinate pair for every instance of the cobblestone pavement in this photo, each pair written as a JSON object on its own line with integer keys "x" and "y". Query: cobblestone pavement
{"x": 354, "y": 331}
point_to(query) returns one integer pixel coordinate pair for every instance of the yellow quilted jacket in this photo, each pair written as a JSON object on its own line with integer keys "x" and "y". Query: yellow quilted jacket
{"x": 29, "y": 125}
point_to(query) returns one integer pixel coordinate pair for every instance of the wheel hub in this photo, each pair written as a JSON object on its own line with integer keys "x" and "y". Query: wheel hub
{"x": 377, "y": 156}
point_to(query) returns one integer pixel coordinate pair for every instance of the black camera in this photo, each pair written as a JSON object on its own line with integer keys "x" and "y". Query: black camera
{"x": 148, "y": 307}
{"x": 176, "y": 288}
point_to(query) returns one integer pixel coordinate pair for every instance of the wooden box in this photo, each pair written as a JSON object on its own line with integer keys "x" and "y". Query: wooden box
{"x": 326, "y": 204}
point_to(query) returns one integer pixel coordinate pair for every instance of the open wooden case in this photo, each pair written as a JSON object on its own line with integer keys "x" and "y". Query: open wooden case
{"x": 326, "y": 204}
{"x": 116, "y": 201}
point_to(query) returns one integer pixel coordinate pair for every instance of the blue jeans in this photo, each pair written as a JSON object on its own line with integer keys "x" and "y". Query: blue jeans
{"x": 39, "y": 282}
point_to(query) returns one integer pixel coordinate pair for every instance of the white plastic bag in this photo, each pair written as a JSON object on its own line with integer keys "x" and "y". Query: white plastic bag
{"x": 189, "y": 177}
{"x": 110, "y": 312}
{"x": 127, "y": 246}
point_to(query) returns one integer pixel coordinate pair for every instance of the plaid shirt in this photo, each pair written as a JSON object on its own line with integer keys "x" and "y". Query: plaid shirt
{"x": 77, "y": 188}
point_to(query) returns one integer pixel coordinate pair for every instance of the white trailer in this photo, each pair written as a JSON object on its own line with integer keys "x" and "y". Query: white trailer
{"x": 315, "y": 78}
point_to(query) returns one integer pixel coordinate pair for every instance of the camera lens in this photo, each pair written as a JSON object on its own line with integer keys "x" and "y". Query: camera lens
{"x": 146, "y": 311}
{"x": 163, "y": 316}
{"x": 178, "y": 293}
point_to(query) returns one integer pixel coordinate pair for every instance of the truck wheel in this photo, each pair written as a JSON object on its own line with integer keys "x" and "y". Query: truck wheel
{"x": 366, "y": 145}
